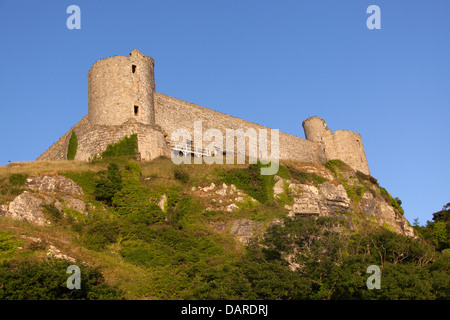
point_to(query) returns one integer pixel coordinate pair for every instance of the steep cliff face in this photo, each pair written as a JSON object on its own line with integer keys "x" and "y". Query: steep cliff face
{"x": 341, "y": 192}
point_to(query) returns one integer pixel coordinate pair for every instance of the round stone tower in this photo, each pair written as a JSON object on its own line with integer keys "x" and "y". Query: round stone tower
{"x": 315, "y": 129}
{"x": 121, "y": 89}
{"x": 341, "y": 144}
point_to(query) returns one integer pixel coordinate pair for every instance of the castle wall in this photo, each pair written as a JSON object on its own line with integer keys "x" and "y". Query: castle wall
{"x": 347, "y": 146}
{"x": 172, "y": 114}
{"x": 119, "y": 84}
{"x": 94, "y": 139}
{"x": 123, "y": 101}
{"x": 58, "y": 151}
{"x": 341, "y": 144}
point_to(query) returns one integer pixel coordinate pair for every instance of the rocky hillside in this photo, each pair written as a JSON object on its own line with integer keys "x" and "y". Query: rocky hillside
{"x": 178, "y": 223}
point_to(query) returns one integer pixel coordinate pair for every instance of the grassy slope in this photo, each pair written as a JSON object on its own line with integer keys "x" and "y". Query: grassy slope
{"x": 190, "y": 245}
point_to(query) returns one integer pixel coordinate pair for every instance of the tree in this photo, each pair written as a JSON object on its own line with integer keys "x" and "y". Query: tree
{"x": 108, "y": 184}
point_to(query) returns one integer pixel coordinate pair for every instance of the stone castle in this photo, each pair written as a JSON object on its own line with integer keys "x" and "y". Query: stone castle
{"x": 123, "y": 101}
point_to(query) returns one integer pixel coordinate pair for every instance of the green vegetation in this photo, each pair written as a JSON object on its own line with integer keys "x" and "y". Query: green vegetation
{"x": 336, "y": 166}
{"x": 17, "y": 179}
{"x": 334, "y": 263}
{"x": 108, "y": 183}
{"x": 125, "y": 147}
{"x": 258, "y": 186}
{"x": 364, "y": 177}
{"x": 37, "y": 280}
{"x": 181, "y": 175}
{"x": 73, "y": 146}
{"x": 305, "y": 177}
{"x": 354, "y": 191}
{"x": 437, "y": 232}
{"x": 8, "y": 245}
{"x": 12, "y": 187}
{"x": 180, "y": 251}
{"x": 394, "y": 202}
{"x": 85, "y": 179}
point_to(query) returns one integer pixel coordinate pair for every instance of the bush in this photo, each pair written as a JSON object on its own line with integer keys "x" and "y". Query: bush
{"x": 54, "y": 213}
{"x": 304, "y": 177}
{"x": 336, "y": 165}
{"x": 181, "y": 175}
{"x": 86, "y": 180}
{"x": 17, "y": 179}
{"x": 391, "y": 200}
{"x": 73, "y": 146}
{"x": 7, "y": 243}
{"x": 363, "y": 176}
{"x": 101, "y": 233}
{"x": 125, "y": 147}
{"x": 132, "y": 200}
{"x": 33, "y": 280}
{"x": 250, "y": 180}
{"x": 108, "y": 184}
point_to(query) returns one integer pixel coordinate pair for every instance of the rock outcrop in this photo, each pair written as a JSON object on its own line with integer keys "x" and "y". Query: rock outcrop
{"x": 244, "y": 229}
{"x": 331, "y": 199}
{"x": 57, "y": 190}
{"x": 57, "y": 183}
{"x": 28, "y": 207}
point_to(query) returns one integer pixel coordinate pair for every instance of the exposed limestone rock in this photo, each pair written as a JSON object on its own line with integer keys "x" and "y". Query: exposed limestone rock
{"x": 162, "y": 202}
{"x": 54, "y": 252}
{"x": 331, "y": 199}
{"x": 27, "y": 207}
{"x": 54, "y": 184}
{"x": 385, "y": 214}
{"x": 232, "y": 207}
{"x": 210, "y": 188}
{"x": 244, "y": 229}
{"x": 279, "y": 186}
{"x": 75, "y": 204}
{"x": 222, "y": 192}
{"x": 3, "y": 210}
{"x": 325, "y": 200}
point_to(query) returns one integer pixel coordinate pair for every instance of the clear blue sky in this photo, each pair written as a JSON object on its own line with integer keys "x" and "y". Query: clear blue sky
{"x": 275, "y": 63}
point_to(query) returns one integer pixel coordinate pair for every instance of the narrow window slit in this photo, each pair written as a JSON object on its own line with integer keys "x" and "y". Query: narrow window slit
{"x": 136, "y": 110}
{"x": 133, "y": 68}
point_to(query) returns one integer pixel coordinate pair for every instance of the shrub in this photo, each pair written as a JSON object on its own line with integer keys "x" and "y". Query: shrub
{"x": 108, "y": 184}
{"x": 181, "y": 175}
{"x": 101, "y": 233}
{"x": 73, "y": 146}
{"x": 7, "y": 243}
{"x": 250, "y": 180}
{"x": 336, "y": 165}
{"x": 304, "y": 177}
{"x": 132, "y": 200}
{"x": 17, "y": 179}
{"x": 363, "y": 176}
{"x": 54, "y": 213}
{"x": 86, "y": 180}
{"x": 391, "y": 200}
{"x": 125, "y": 147}
{"x": 33, "y": 280}
{"x": 355, "y": 193}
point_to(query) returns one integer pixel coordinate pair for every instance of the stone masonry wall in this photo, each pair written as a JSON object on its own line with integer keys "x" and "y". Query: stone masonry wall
{"x": 172, "y": 114}
{"x": 58, "y": 151}
{"x": 347, "y": 146}
{"x": 119, "y": 84}
{"x": 94, "y": 139}
{"x": 340, "y": 144}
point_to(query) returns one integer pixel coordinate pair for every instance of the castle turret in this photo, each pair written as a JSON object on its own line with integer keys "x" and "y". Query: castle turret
{"x": 315, "y": 129}
{"x": 122, "y": 88}
{"x": 341, "y": 144}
